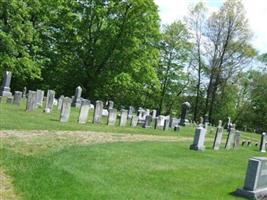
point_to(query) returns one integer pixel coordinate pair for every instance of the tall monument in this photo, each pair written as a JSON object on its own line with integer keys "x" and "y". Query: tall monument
{"x": 5, "y": 88}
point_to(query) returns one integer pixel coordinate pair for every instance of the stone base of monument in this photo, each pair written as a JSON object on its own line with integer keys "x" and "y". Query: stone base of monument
{"x": 5, "y": 93}
{"x": 260, "y": 194}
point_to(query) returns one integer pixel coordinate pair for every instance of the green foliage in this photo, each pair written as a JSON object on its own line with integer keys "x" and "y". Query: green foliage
{"x": 108, "y": 48}
{"x": 254, "y": 110}
{"x": 19, "y": 48}
{"x": 175, "y": 48}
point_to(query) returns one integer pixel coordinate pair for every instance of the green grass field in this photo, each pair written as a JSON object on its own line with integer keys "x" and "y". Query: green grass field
{"x": 53, "y": 166}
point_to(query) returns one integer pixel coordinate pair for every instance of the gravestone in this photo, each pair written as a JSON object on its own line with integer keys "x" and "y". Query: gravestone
{"x": 105, "y": 112}
{"x": 255, "y": 186}
{"x": 263, "y": 142}
{"x": 148, "y": 121}
{"x": 134, "y": 121}
{"x": 49, "y": 101}
{"x": 84, "y": 110}
{"x": 30, "y": 101}
{"x": 9, "y": 100}
{"x": 65, "y": 110}
{"x": 174, "y": 122}
{"x": 39, "y": 98}
{"x": 141, "y": 115}
{"x": 98, "y": 112}
{"x": 5, "y": 88}
{"x": 24, "y": 95}
{"x": 230, "y": 142}
{"x": 166, "y": 124}
{"x": 154, "y": 114}
{"x": 60, "y": 101}
{"x": 130, "y": 112}
{"x": 110, "y": 105}
{"x": 218, "y": 136}
{"x": 17, "y": 97}
{"x": 124, "y": 116}
{"x": 199, "y": 139}
{"x": 77, "y": 98}
{"x": 184, "y": 111}
{"x": 237, "y": 139}
{"x": 159, "y": 122}
{"x": 147, "y": 112}
{"x": 112, "y": 116}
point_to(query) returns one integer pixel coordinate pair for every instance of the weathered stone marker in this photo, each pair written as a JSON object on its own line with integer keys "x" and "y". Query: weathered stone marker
{"x": 230, "y": 142}
{"x": 5, "y": 88}
{"x": 60, "y": 101}
{"x": 199, "y": 139}
{"x": 255, "y": 186}
{"x": 154, "y": 114}
{"x": 130, "y": 112}
{"x": 184, "y": 111}
{"x": 49, "y": 101}
{"x": 166, "y": 124}
{"x": 112, "y": 116}
{"x": 174, "y": 122}
{"x": 148, "y": 121}
{"x": 84, "y": 110}
{"x": 263, "y": 142}
{"x": 39, "y": 98}
{"x": 110, "y": 105}
{"x": 124, "y": 116}
{"x": 30, "y": 101}
{"x": 98, "y": 112}
{"x": 65, "y": 110}
{"x": 237, "y": 139}
{"x": 77, "y": 98}
{"x": 24, "y": 94}
{"x": 134, "y": 121}
{"x": 17, "y": 97}
{"x": 218, "y": 136}
{"x": 159, "y": 124}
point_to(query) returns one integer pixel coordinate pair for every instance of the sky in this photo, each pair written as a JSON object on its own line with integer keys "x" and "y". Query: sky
{"x": 171, "y": 10}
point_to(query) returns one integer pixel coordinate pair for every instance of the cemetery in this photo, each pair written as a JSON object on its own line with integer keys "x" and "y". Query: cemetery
{"x": 111, "y": 147}
{"x": 101, "y": 100}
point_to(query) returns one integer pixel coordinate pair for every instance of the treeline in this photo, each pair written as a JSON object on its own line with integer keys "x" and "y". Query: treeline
{"x": 116, "y": 50}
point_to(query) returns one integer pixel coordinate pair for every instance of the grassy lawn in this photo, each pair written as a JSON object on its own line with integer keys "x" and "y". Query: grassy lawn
{"x": 62, "y": 166}
{"x": 122, "y": 170}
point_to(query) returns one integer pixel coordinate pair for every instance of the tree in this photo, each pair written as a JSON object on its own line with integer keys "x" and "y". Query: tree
{"x": 106, "y": 47}
{"x": 196, "y": 23}
{"x": 19, "y": 51}
{"x": 227, "y": 48}
{"x": 175, "y": 48}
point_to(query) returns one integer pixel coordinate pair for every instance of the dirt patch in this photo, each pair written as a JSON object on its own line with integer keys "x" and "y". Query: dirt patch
{"x": 88, "y": 136}
{"x": 34, "y": 142}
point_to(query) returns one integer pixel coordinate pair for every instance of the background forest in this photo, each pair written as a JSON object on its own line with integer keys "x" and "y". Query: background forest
{"x": 117, "y": 50}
